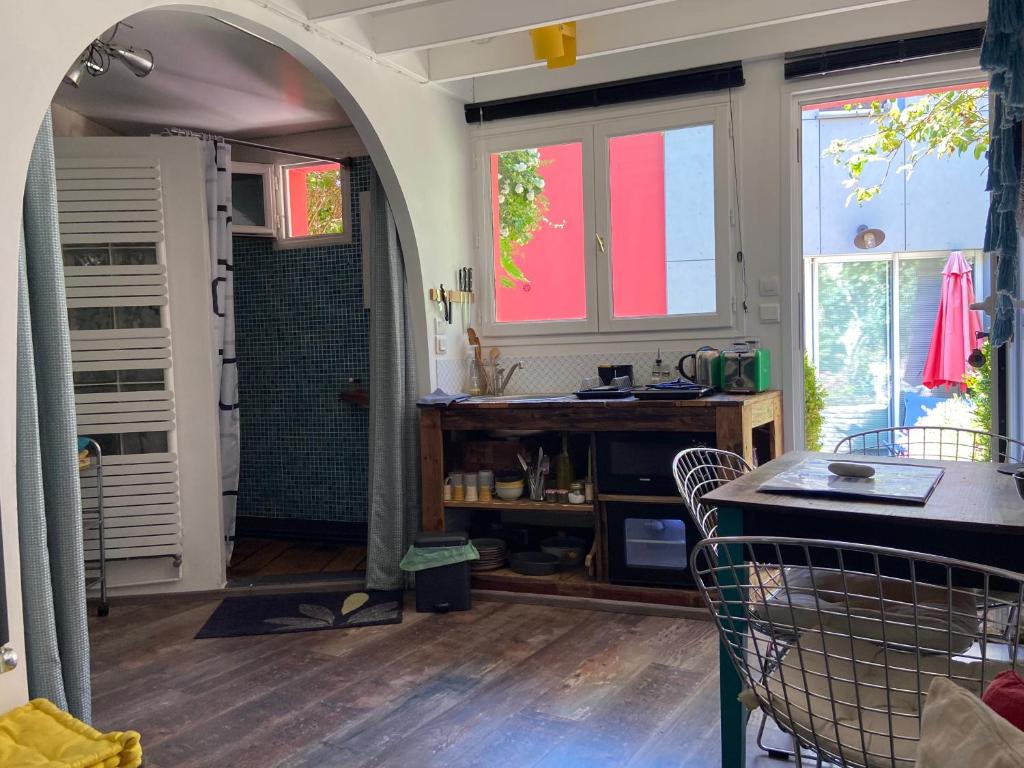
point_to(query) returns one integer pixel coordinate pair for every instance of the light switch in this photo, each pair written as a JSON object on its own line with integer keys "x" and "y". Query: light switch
{"x": 441, "y": 344}
{"x": 769, "y": 313}
{"x": 768, "y": 286}
{"x": 440, "y": 328}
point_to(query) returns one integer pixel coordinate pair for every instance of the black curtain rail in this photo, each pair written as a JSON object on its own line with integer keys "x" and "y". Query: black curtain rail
{"x": 824, "y": 61}
{"x": 681, "y": 83}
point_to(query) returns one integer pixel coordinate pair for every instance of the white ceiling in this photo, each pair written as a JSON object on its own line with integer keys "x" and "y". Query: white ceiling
{"x": 208, "y": 76}
{"x": 471, "y": 47}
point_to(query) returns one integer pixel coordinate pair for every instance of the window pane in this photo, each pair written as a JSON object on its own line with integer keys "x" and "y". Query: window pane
{"x": 852, "y": 328}
{"x": 662, "y": 191}
{"x": 247, "y": 196}
{"x": 537, "y": 211}
{"x": 314, "y": 200}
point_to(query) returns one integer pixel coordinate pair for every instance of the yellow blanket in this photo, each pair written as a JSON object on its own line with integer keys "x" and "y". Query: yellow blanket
{"x": 38, "y": 735}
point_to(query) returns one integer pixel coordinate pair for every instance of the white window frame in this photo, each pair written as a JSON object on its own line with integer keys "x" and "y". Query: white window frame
{"x": 593, "y": 130}
{"x": 284, "y": 240}
{"x": 266, "y": 171}
{"x": 717, "y": 117}
{"x": 794, "y": 95}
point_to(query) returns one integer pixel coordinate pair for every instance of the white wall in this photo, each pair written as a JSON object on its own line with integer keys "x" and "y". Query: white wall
{"x": 70, "y": 124}
{"x": 414, "y": 133}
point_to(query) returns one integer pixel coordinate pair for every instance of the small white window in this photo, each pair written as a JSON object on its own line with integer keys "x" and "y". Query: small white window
{"x": 316, "y": 208}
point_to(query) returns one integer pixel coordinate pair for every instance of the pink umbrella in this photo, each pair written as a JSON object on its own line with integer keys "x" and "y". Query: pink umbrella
{"x": 956, "y": 327}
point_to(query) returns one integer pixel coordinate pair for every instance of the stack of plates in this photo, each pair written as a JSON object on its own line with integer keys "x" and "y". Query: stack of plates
{"x": 492, "y": 554}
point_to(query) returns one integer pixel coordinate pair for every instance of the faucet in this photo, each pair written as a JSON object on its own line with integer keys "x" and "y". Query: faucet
{"x": 500, "y": 383}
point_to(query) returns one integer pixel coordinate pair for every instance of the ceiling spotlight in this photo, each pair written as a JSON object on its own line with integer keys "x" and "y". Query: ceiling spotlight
{"x": 95, "y": 60}
{"x": 140, "y": 62}
{"x": 868, "y": 238}
{"x": 77, "y": 72}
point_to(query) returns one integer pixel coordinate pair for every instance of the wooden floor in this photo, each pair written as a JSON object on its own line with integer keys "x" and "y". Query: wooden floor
{"x": 254, "y": 557}
{"x": 506, "y": 684}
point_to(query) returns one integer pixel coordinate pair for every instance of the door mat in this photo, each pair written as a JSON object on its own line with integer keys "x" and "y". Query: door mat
{"x": 302, "y": 612}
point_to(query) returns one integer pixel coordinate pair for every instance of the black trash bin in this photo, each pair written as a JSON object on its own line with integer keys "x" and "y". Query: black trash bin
{"x": 445, "y": 588}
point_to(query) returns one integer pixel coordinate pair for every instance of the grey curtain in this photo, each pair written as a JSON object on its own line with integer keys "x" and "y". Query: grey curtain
{"x": 49, "y": 496}
{"x": 217, "y": 159}
{"x": 394, "y": 475}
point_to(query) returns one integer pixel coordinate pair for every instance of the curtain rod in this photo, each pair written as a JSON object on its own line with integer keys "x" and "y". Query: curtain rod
{"x": 253, "y": 145}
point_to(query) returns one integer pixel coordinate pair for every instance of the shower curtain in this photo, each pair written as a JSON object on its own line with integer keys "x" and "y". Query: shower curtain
{"x": 394, "y": 434}
{"x": 49, "y": 495}
{"x": 217, "y": 158}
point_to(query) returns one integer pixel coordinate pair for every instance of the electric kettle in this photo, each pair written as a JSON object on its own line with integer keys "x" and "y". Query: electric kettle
{"x": 705, "y": 366}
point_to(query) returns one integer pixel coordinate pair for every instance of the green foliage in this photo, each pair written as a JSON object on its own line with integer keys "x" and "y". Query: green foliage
{"x": 323, "y": 203}
{"x": 814, "y": 405}
{"x": 940, "y": 124}
{"x": 979, "y": 389}
{"x": 852, "y": 317}
{"x": 521, "y": 207}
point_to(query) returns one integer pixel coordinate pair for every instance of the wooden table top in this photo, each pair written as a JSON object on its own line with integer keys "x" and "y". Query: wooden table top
{"x": 970, "y": 495}
{"x": 718, "y": 400}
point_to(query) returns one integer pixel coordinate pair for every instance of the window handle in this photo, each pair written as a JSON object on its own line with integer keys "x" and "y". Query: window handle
{"x": 600, "y": 242}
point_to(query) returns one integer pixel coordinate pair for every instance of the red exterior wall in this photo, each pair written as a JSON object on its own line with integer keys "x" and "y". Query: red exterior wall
{"x": 553, "y": 261}
{"x": 637, "y": 181}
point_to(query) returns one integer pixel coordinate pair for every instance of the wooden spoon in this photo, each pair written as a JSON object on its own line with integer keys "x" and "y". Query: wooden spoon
{"x": 478, "y": 355}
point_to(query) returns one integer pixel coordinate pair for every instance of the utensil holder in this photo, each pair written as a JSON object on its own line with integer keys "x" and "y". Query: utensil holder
{"x": 536, "y": 488}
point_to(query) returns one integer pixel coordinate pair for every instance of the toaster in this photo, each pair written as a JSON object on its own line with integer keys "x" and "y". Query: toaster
{"x": 745, "y": 368}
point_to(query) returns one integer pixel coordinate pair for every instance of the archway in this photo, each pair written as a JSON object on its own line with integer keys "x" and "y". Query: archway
{"x": 415, "y": 135}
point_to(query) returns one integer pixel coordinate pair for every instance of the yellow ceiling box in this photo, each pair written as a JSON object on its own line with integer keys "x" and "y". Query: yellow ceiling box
{"x": 547, "y": 42}
{"x": 556, "y": 44}
{"x": 568, "y": 57}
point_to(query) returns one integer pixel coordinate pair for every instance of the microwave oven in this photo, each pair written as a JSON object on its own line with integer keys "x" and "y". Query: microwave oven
{"x": 640, "y": 463}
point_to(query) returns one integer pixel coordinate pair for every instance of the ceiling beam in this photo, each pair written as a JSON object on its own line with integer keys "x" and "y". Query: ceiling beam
{"x": 754, "y": 44}
{"x": 455, "y": 21}
{"x": 323, "y": 10}
{"x": 665, "y": 24}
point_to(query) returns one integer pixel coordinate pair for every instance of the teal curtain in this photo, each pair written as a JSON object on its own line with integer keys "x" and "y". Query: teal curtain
{"x": 49, "y": 495}
{"x": 394, "y": 476}
{"x": 1002, "y": 54}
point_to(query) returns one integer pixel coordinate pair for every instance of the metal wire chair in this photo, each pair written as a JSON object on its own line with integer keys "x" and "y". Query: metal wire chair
{"x": 846, "y": 670}
{"x": 699, "y": 471}
{"x": 940, "y": 443}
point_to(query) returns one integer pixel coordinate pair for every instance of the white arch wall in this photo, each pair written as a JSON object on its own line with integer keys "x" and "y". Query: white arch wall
{"x": 415, "y": 134}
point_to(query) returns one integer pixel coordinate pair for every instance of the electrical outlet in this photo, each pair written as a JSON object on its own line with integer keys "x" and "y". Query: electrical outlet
{"x": 440, "y": 327}
{"x": 441, "y": 344}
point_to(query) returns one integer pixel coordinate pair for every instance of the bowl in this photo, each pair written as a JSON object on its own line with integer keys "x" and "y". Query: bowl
{"x": 509, "y": 491}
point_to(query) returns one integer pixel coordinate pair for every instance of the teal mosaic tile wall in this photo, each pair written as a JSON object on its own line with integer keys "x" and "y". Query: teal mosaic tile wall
{"x": 302, "y": 333}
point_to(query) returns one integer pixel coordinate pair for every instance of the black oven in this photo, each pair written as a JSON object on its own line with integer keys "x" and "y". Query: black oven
{"x": 650, "y": 544}
{"x": 641, "y": 462}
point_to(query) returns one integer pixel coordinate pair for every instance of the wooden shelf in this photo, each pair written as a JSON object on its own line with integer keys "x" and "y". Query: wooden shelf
{"x": 637, "y": 499}
{"x": 520, "y": 504}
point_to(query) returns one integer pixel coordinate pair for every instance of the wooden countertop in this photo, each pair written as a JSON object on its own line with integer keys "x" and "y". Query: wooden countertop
{"x": 571, "y": 401}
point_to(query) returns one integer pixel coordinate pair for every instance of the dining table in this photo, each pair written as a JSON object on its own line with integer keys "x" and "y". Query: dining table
{"x": 973, "y": 514}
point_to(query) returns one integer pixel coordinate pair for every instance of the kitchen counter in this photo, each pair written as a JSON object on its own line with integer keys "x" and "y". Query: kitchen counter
{"x": 738, "y": 422}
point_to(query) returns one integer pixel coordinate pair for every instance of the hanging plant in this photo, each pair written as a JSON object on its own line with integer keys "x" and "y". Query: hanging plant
{"x": 522, "y": 206}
